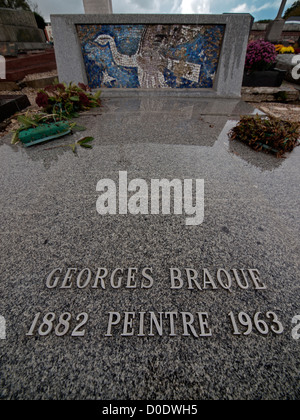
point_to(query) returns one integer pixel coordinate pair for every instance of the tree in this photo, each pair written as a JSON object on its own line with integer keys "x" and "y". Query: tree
{"x": 25, "y": 5}
{"x": 264, "y": 21}
{"x": 39, "y": 20}
{"x": 294, "y": 10}
{"x": 15, "y": 4}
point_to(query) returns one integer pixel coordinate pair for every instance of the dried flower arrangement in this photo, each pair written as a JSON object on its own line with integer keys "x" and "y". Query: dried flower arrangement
{"x": 271, "y": 135}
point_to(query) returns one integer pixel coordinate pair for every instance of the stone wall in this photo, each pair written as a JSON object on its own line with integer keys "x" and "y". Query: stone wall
{"x": 291, "y": 32}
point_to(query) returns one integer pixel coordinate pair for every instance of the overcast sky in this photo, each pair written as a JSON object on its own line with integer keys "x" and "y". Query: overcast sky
{"x": 258, "y": 8}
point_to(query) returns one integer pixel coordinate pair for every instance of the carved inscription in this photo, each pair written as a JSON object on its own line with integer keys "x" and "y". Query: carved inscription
{"x": 133, "y": 278}
{"x": 146, "y": 323}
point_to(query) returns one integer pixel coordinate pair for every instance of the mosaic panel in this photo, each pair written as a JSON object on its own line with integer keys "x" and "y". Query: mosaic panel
{"x": 151, "y": 56}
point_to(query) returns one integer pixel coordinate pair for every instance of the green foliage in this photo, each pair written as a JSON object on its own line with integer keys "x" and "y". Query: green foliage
{"x": 281, "y": 96}
{"x": 67, "y": 100}
{"x": 264, "y": 21}
{"x": 60, "y": 102}
{"x": 15, "y": 4}
{"x": 39, "y": 20}
{"x": 294, "y": 10}
{"x": 28, "y": 120}
{"x": 271, "y": 135}
{"x": 84, "y": 143}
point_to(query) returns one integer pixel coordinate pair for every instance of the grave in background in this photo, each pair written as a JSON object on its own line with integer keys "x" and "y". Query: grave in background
{"x": 98, "y": 6}
{"x": 10, "y": 104}
{"x": 19, "y": 32}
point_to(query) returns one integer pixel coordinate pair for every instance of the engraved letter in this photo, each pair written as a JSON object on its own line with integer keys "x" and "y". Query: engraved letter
{"x": 141, "y": 329}
{"x": 98, "y": 277}
{"x": 258, "y": 284}
{"x": 68, "y": 277}
{"x": 88, "y": 279}
{"x": 49, "y": 278}
{"x": 209, "y": 281}
{"x": 112, "y": 322}
{"x": 174, "y": 277}
{"x": 147, "y": 277}
{"x": 128, "y": 323}
{"x": 171, "y": 315}
{"x": 203, "y": 321}
{"x": 229, "y": 280}
{"x": 238, "y": 280}
{"x": 188, "y": 323}
{"x": 131, "y": 282}
{"x": 158, "y": 326}
{"x": 192, "y": 276}
{"x": 118, "y": 285}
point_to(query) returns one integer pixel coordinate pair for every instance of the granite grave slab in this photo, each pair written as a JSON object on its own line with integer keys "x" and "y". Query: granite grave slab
{"x": 142, "y": 306}
{"x": 11, "y": 104}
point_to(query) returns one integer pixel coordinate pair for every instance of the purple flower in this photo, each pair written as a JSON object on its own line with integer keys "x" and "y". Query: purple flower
{"x": 261, "y": 55}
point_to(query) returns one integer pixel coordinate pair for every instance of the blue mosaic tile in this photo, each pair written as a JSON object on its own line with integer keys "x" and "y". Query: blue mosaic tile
{"x": 151, "y": 56}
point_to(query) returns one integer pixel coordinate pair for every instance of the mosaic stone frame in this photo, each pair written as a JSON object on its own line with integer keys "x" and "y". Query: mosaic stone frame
{"x": 151, "y": 56}
{"x": 205, "y": 58}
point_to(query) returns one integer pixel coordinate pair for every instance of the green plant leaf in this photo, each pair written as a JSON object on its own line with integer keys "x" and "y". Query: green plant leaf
{"x": 74, "y": 98}
{"x": 97, "y": 94}
{"x": 26, "y": 121}
{"x": 87, "y": 146}
{"x": 77, "y": 127}
{"x": 85, "y": 140}
{"x": 15, "y": 137}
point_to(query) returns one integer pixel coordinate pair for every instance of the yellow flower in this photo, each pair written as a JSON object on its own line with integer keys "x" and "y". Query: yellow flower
{"x": 278, "y": 47}
{"x": 287, "y": 50}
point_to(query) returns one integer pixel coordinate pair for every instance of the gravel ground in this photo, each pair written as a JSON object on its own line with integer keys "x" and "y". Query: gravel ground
{"x": 36, "y": 76}
{"x": 288, "y": 112}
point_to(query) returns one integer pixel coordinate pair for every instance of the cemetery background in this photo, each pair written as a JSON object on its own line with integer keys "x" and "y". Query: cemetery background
{"x": 49, "y": 221}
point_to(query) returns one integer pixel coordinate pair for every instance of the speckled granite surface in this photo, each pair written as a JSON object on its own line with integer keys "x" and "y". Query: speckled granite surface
{"x": 49, "y": 220}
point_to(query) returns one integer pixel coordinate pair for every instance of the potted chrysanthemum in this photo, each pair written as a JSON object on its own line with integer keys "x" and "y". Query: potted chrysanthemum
{"x": 260, "y": 65}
